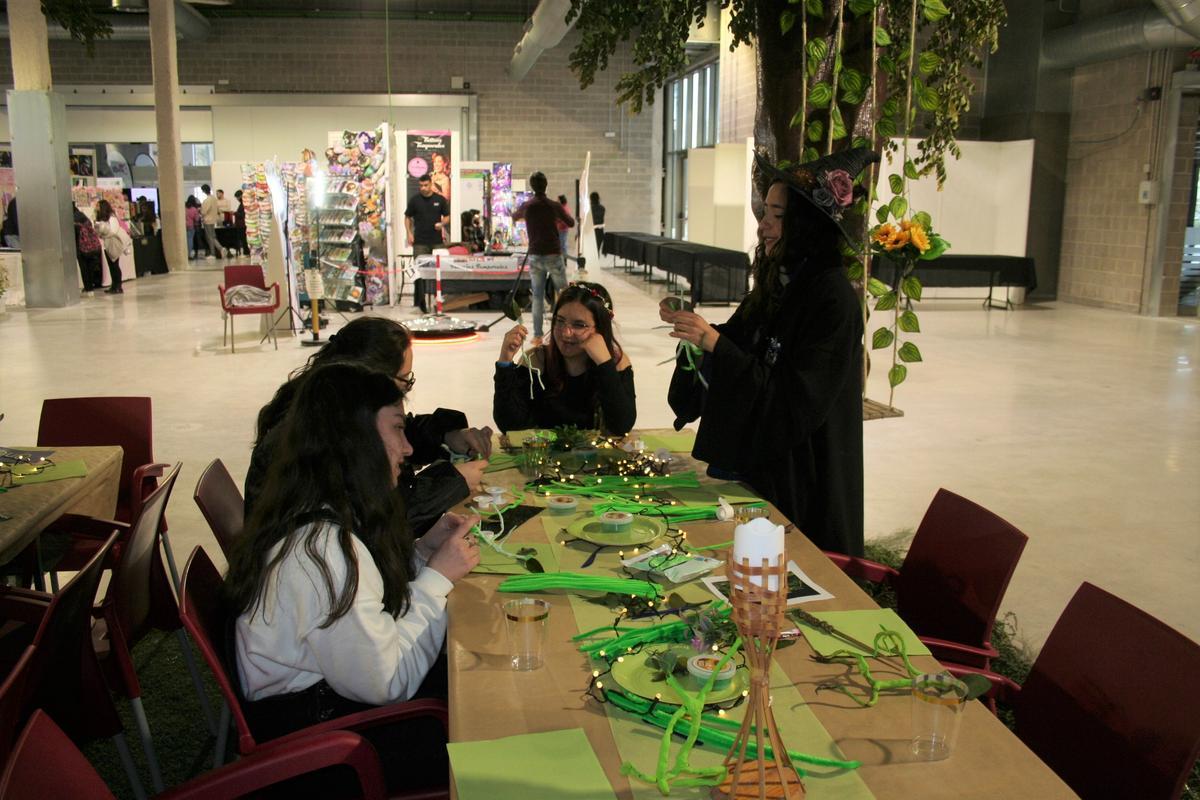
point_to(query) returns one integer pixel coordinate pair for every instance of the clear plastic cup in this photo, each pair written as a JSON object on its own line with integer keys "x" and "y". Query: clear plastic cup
{"x": 525, "y": 620}
{"x": 937, "y": 708}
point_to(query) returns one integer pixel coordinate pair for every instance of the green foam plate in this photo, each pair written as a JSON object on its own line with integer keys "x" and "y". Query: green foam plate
{"x": 643, "y": 530}
{"x": 633, "y": 676}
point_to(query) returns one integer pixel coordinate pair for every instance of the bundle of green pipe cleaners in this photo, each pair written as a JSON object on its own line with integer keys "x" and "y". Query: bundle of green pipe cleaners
{"x": 577, "y": 581}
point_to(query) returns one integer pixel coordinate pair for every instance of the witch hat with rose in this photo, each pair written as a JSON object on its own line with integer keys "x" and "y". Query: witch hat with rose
{"x": 827, "y": 182}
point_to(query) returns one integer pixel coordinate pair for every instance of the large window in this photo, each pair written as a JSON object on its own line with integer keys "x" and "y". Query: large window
{"x": 691, "y": 121}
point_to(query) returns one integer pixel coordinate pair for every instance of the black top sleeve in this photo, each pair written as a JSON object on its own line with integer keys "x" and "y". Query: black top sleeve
{"x": 618, "y": 402}
{"x": 512, "y": 407}
{"x": 430, "y": 493}
{"x": 425, "y": 433}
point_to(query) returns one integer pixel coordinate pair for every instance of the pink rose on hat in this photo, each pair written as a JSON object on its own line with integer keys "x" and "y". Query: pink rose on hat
{"x": 840, "y": 185}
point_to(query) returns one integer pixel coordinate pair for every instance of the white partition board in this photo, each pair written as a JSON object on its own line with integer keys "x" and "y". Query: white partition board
{"x": 701, "y": 183}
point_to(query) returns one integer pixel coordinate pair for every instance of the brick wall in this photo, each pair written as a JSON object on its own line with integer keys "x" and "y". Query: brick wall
{"x": 544, "y": 122}
{"x": 738, "y": 88}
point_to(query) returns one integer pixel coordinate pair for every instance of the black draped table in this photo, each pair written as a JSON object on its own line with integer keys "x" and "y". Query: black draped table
{"x": 955, "y": 271}
{"x": 714, "y": 274}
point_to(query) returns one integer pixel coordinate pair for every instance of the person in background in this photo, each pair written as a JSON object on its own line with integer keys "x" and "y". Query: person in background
{"x": 385, "y": 346}
{"x": 778, "y": 389}
{"x": 427, "y": 218}
{"x": 239, "y": 224}
{"x": 585, "y": 380}
{"x": 563, "y": 227}
{"x": 194, "y": 226}
{"x": 541, "y": 215}
{"x": 10, "y": 233}
{"x": 210, "y": 216}
{"x": 88, "y": 247}
{"x": 472, "y": 231}
{"x": 339, "y": 609}
{"x": 116, "y": 243}
{"x": 597, "y": 221}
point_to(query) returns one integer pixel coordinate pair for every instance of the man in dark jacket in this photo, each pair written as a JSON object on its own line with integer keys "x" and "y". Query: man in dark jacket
{"x": 541, "y": 215}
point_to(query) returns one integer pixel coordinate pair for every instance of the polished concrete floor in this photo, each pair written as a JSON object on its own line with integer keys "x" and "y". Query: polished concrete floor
{"x": 1080, "y": 426}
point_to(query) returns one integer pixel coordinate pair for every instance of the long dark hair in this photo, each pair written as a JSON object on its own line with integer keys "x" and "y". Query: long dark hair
{"x": 104, "y": 211}
{"x": 377, "y": 343}
{"x": 330, "y": 468}
{"x": 596, "y": 300}
{"x": 809, "y": 241}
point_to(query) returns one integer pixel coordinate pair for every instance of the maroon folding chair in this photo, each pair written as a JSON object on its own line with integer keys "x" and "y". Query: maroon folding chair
{"x": 1107, "y": 704}
{"x": 139, "y": 599}
{"x": 953, "y": 578}
{"x": 45, "y": 763}
{"x": 208, "y": 620}
{"x": 58, "y": 671}
{"x": 245, "y": 275}
{"x": 221, "y": 503}
{"x": 92, "y": 421}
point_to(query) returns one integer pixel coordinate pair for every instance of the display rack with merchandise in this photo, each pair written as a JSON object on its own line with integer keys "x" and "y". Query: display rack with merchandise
{"x": 360, "y": 159}
{"x": 336, "y": 231}
{"x": 256, "y": 198}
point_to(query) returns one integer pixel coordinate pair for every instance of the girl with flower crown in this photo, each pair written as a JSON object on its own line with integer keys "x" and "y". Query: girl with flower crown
{"x": 778, "y": 388}
{"x": 580, "y": 377}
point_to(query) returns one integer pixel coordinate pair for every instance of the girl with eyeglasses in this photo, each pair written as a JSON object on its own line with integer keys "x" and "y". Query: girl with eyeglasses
{"x": 339, "y": 609}
{"x": 580, "y": 377}
{"x": 385, "y": 346}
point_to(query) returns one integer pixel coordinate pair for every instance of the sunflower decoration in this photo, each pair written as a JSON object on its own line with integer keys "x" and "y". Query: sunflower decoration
{"x": 910, "y": 239}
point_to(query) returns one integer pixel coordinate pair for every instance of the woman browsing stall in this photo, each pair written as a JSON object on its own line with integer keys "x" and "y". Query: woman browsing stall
{"x": 339, "y": 608}
{"x": 580, "y": 377}
{"x": 782, "y": 409}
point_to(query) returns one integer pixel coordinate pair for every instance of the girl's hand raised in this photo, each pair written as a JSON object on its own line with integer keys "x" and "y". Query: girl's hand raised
{"x": 512, "y": 342}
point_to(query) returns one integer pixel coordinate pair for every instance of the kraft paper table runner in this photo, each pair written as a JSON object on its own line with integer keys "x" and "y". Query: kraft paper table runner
{"x": 558, "y": 764}
{"x": 639, "y": 742}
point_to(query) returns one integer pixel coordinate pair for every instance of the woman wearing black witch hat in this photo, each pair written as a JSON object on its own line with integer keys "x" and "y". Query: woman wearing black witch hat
{"x": 778, "y": 388}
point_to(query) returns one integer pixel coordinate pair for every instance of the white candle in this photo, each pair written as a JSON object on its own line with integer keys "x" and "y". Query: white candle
{"x": 758, "y": 539}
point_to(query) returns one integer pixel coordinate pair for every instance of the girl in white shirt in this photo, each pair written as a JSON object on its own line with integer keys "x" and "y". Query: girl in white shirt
{"x": 339, "y": 610}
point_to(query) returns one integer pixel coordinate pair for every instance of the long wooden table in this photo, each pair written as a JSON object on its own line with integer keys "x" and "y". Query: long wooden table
{"x": 489, "y": 700}
{"x": 33, "y": 507}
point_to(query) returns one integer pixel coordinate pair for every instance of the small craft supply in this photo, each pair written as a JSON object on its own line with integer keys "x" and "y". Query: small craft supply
{"x": 703, "y": 665}
{"x": 575, "y": 581}
{"x": 616, "y": 521}
{"x": 561, "y": 504}
{"x": 497, "y": 493}
{"x": 484, "y": 501}
{"x": 755, "y": 540}
{"x": 674, "y": 567}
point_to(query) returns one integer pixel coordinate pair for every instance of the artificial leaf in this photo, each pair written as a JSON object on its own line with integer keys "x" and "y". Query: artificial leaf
{"x": 852, "y": 81}
{"x": 937, "y": 246}
{"x": 934, "y": 9}
{"x": 881, "y": 214}
{"x": 877, "y": 288}
{"x": 908, "y": 321}
{"x": 885, "y": 127}
{"x": 860, "y": 7}
{"x": 898, "y": 206}
{"x": 810, "y": 154}
{"x": 911, "y": 286}
{"x": 836, "y": 123}
{"x": 909, "y": 352}
{"x": 854, "y": 272}
{"x": 861, "y": 141}
{"x": 815, "y": 8}
{"x": 977, "y": 685}
{"x": 816, "y": 50}
{"x": 816, "y": 129}
{"x": 928, "y": 99}
{"x": 891, "y": 107}
{"x": 882, "y": 338}
{"x": 924, "y": 219}
{"x": 820, "y": 95}
{"x": 886, "y": 303}
{"x": 896, "y": 183}
{"x": 797, "y": 118}
{"x": 910, "y": 170}
{"x": 897, "y": 374}
{"x": 786, "y": 20}
{"x": 882, "y": 38}
{"x": 928, "y": 61}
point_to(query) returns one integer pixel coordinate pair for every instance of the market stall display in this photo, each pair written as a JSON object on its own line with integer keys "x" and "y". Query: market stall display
{"x": 357, "y": 166}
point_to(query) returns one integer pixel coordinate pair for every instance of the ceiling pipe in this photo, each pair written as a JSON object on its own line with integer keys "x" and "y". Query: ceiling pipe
{"x": 189, "y": 24}
{"x": 544, "y": 30}
{"x": 1123, "y": 34}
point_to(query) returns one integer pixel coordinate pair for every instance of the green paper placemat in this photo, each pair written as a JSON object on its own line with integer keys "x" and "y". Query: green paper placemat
{"x": 639, "y": 742}
{"x": 679, "y": 442}
{"x": 501, "y": 461}
{"x": 862, "y": 625}
{"x": 558, "y": 764}
{"x": 493, "y": 563}
{"x": 707, "y": 494}
{"x": 75, "y": 468}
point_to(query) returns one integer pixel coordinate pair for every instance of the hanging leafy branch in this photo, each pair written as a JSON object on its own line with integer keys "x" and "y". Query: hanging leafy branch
{"x": 80, "y": 19}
